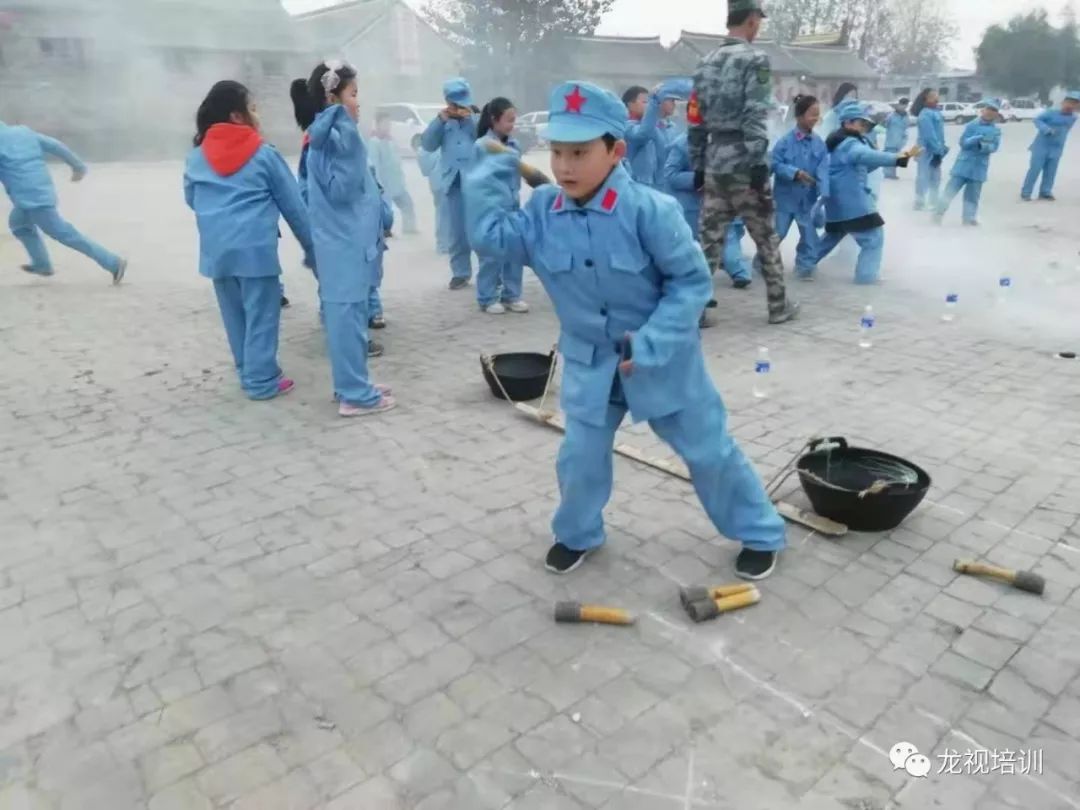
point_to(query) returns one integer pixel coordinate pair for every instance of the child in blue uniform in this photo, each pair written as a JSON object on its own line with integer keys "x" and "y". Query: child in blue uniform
{"x": 800, "y": 162}
{"x": 931, "y": 140}
{"x": 628, "y": 283}
{"x": 1053, "y": 126}
{"x": 376, "y": 318}
{"x": 644, "y": 141}
{"x": 851, "y": 208}
{"x": 29, "y": 186}
{"x": 679, "y": 183}
{"x": 346, "y": 211}
{"x": 387, "y": 163}
{"x": 453, "y": 134}
{"x": 498, "y": 282}
{"x": 429, "y": 165}
{"x": 239, "y": 187}
{"x": 980, "y": 139}
{"x": 896, "y": 127}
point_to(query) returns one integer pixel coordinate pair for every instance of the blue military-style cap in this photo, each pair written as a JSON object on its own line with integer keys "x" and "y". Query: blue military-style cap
{"x": 581, "y": 112}
{"x": 679, "y": 88}
{"x": 991, "y": 102}
{"x": 458, "y": 91}
{"x": 1073, "y": 95}
{"x": 853, "y": 111}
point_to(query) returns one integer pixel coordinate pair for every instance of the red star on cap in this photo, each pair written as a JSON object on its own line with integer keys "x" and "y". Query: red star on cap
{"x": 575, "y": 101}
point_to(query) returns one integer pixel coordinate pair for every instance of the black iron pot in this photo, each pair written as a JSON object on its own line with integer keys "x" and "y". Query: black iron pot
{"x": 841, "y": 489}
{"x": 524, "y": 375}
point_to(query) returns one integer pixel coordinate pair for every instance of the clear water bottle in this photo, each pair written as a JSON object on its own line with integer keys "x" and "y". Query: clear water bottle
{"x": 950, "y": 307}
{"x": 866, "y": 328}
{"x": 762, "y": 368}
{"x": 1004, "y": 286}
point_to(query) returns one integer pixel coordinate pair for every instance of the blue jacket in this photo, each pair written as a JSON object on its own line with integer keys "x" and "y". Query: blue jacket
{"x": 896, "y": 127}
{"x": 387, "y": 165}
{"x": 238, "y": 202}
{"x": 23, "y": 172}
{"x": 679, "y": 181}
{"x": 793, "y": 152}
{"x": 645, "y": 143}
{"x": 932, "y": 132}
{"x": 623, "y": 263}
{"x": 454, "y": 140}
{"x": 667, "y": 133}
{"x": 978, "y": 141}
{"x": 481, "y": 152}
{"x": 428, "y": 162}
{"x": 346, "y": 208}
{"x": 1053, "y": 126}
{"x": 850, "y": 206}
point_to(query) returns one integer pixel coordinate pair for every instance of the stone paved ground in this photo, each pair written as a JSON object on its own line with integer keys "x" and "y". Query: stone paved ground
{"x": 207, "y": 602}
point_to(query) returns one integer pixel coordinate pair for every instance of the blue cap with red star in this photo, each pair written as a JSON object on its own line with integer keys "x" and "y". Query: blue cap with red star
{"x": 582, "y": 112}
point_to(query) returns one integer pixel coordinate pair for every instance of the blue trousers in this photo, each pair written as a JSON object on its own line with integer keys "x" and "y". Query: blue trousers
{"x": 347, "y": 344}
{"x": 27, "y": 225}
{"x": 871, "y": 248}
{"x": 442, "y": 225}
{"x": 972, "y": 192}
{"x": 735, "y": 264}
{"x": 1047, "y": 166}
{"x": 727, "y": 485}
{"x": 494, "y": 274}
{"x": 375, "y": 296}
{"x": 408, "y": 212}
{"x": 806, "y": 250}
{"x": 251, "y": 311}
{"x": 927, "y": 182}
{"x": 458, "y": 246}
{"x": 890, "y": 171}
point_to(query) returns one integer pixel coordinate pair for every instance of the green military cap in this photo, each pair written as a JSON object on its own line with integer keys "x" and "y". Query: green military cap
{"x": 735, "y": 6}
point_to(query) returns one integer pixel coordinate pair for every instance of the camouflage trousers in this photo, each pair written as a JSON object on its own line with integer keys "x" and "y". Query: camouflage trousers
{"x": 725, "y": 199}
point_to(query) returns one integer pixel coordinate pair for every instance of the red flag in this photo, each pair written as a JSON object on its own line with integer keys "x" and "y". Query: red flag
{"x": 693, "y": 111}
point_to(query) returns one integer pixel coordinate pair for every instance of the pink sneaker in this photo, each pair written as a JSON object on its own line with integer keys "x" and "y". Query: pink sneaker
{"x": 383, "y": 388}
{"x": 284, "y": 386}
{"x": 385, "y": 403}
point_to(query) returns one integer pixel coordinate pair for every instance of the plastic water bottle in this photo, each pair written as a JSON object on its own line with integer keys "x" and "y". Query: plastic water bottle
{"x": 866, "y": 328}
{"x": 950, "y": 307}
{"x": 761, "y": 373}
{"x": 1004, "y": 286}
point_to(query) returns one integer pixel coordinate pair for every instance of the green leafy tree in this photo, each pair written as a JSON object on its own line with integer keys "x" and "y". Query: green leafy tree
{"x": 514, "y": 46}
{"x": 1029, "y": 56}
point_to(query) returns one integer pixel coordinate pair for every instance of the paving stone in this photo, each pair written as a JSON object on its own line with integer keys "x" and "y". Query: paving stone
{"x": 293, "y": 792}
{"x": 241, "y": 773}
{"x": 181, "y": 796}
{"x": 987, "y": 650}
{"x": 963, "y": 670}
{"x": 167, "y": 765}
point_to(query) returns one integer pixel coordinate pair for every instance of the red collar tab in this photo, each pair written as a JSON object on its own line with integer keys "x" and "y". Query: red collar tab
{"x": 559, "y": 202}
{"x": 611, "y": 196}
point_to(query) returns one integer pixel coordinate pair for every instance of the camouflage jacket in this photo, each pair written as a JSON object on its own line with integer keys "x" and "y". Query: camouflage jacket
{"x": 728, "y": 111}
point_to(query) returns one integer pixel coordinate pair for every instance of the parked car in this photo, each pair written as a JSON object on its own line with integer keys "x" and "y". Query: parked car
{"x": 954, "y": 112}
{"x": 1023, "y": 109}
{"x": 531, "y": 129}
{"x": 408, "y": 122}
{"x": 880, "y": 110}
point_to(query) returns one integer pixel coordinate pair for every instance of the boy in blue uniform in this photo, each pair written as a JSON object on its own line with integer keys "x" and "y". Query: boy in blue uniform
{"x": 26, "y": 179}
{"x": 453, "y": 134}
{"x": 980, "y": 139}
{"x": 1046, "y": 149}
{"x": 429, "y": 168}
{"x": 628, "y": 283}
{"x": 387, "y": 165}
{"x": 896, "y": 127}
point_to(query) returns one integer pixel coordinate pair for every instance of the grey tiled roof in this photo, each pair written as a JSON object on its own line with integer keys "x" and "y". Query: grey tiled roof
{"x": 336, "y": 26}
{"x": 634, "y": 56}
{"x": 820, "y": 61}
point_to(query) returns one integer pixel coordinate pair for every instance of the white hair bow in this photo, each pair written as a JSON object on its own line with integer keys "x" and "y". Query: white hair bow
{"x": 331, "y": 79}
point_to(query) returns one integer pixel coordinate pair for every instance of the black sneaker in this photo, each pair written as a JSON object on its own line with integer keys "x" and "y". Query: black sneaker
{"x": 374, "y": 349}
{"x": 377, "y": 322}
{"x": 740, "y": 283}
{"x": 285, "y": 302}
{"x": 459, "y": 283}
{"x": 755, "y": 565}
{"x": 563, "y": 560}
{"x": 712, "y": 304}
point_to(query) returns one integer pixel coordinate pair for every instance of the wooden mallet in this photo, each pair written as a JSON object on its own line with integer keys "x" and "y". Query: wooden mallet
{"x": 1021, "y": 580}
{"x": 700, "y": 593}
{"x": 577, "y": 613}
{"x": 532, "y": 175}
{"x": 705, "y": 609}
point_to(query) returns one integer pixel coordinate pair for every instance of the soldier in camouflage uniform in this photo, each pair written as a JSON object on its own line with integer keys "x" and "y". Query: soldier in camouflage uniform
{"x": 728, "y": 115}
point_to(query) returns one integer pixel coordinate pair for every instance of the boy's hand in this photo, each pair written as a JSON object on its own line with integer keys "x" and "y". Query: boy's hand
{"x": 626, "y": 366}
{"x": 805, "y": 178}
{"x": 77, "y": 175}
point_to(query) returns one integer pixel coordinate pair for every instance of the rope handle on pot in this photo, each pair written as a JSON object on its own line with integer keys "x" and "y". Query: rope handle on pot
{"x": 551, "y": 376}
{"x": 489, "y": 364}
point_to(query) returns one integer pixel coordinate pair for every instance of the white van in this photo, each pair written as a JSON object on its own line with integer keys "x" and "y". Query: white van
{"x": 408, "y": 122}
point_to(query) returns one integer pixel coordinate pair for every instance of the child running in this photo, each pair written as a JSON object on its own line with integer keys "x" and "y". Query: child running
{"x": 628, "y": 283}
{"x": 387, "y": 163}
{"x": 239, "y": 187}
{"x": 29, "y": 186}
{"x": 346, "y": 228}
{"x": 800, "y": 162}
{"x": 980, "y": 139}
{"x": 498, "y": 281}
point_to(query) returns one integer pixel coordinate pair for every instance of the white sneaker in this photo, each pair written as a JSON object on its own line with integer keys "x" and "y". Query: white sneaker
{"x": 121, "y": 269}
{"x": 495, "y": 309}
{"x": 385, "y": 403}
{"x": 516, "y": 306}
